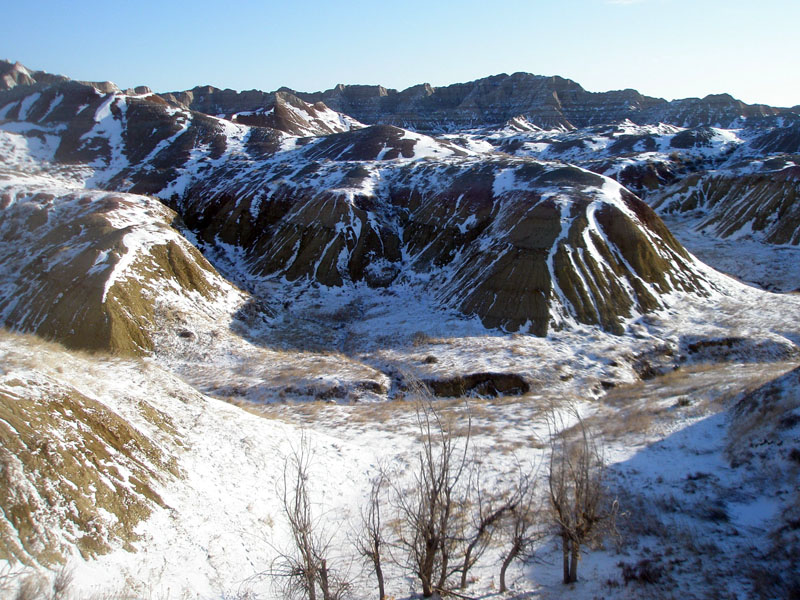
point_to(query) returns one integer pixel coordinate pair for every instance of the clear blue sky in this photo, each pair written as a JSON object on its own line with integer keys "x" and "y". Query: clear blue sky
{"x": 665, "y": 48}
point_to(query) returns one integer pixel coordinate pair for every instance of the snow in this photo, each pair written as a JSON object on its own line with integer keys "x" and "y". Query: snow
{"x": 110, "y": 127}
{"x": 504, "y": 181}
{"x": 223, "y": 525}
{"x": 426, "y": 147}
{"x": 53, "y": 105}
{"x": 26, "y": 152}
{"x": 330, "y": 120}
{"x": 26, "y": 105}
{"x": 766, "y": 265}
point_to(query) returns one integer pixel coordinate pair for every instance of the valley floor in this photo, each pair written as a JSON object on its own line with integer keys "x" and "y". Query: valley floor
{"x": 767, "y": 266}
{"x": 701, "y": 526}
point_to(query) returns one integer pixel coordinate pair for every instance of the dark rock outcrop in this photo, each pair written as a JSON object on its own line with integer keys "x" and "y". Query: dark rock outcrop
{"x": 479, "y": 384}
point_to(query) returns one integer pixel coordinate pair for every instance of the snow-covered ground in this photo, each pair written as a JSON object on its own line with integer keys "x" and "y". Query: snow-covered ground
{"x": 773, "y": 267}
{"x": 665, "y": 439}
{"x": 223, "y": 526}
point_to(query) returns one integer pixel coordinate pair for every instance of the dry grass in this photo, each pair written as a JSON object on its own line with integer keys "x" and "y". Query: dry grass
{"x": 420, "y": 338}
{"x": 34, "y": 352}
{"x": 66, "y": 454}
{"x": 615, "y": 425}
{"x": 34, "y": 585}
{"x": 520, "y": 351}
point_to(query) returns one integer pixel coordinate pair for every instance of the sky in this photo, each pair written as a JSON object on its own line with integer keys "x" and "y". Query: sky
{"x": 664, "y": 48}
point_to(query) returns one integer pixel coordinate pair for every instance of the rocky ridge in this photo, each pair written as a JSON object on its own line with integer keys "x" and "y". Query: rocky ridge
{"x": 730, "y": 181}
{"x": 97, "y": 270}
{"x": 521, "y": 244}
{"x": 547, "y": 102}
{"x": 482, "y": 219}
{"x": 763, "y": 204}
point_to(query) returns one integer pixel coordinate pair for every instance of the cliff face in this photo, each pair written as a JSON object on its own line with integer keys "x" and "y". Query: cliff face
{"x": 548, "y": 102}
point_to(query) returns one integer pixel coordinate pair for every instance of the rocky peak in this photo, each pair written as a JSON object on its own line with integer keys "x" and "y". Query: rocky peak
{"x": 12, "y": 75}
{"x": 17, "y": 75}
{"x": 139, "y": 90}
{"x": 104, "y": 87}
{"x": 718, "y": 110}
{"x": 521, "y": 124}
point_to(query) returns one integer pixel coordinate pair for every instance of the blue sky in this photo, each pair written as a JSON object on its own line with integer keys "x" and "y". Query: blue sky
{"x": 665, "y": 48}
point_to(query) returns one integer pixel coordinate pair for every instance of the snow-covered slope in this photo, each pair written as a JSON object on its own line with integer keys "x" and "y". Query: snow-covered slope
{"x": 281, "y": 110}
{"x": 765, "y": 441}
{"x": 523, "y": 245}
{"x": 78, "y": 477}
{"x": 645, "y": 157}
{"x": 141, "y": 484}
{"x": 762, "y": 203}
{"x": 99, "y": 270}
{"x": 290, "y": 114}
{"x": 719, "y": 189}
{"x": 201, "y": 480}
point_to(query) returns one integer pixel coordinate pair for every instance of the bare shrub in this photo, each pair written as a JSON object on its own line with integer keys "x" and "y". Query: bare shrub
{"x": 522, "y": 523}
{"x": 430, "y": 516}
{"x": 645, "y": 571}
{"x": 61, "y": 583}
{"x": 305, "y": 572}
{"x": 645, "y": 514}
{"x": 488, "y": 510}
{"x": 579, "y": 502}
{"x": 420, "y": 338}
{"x": 32, "y": 585}
{"x": 370, "y": 540}
{"x": 240, "y": 595}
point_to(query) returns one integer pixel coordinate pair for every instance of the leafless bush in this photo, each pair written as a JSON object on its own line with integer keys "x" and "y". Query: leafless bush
{"x": 370, "y": 540}
{"x": 6, "y": 576}
{"x": 305, "y": 572}
{"x": 28, "y": 585}
{"x": 430, "y": 516}
{"x": 32, "y": 585}
{"x": 420, "y": 338}
{"x": 61, "y": 584}
{"x": 645, "y": 571}
{"x": 487, "y": 513}
{"x": 240, "y": 595}
{"x": 522, "y": 523}
{"x": 578, "y": 494}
